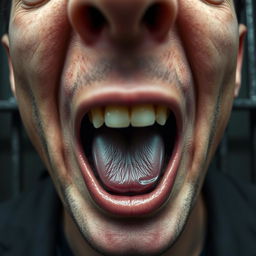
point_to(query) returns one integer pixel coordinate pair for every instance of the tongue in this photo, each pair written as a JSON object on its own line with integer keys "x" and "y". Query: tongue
{"x": 128, "y": 162}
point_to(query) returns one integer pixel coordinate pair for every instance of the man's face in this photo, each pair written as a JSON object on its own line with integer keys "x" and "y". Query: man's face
{"x": 80, "y": 64}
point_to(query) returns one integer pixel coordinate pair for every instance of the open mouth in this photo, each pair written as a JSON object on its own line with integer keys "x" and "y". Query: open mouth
{"x": 129, "y": 155}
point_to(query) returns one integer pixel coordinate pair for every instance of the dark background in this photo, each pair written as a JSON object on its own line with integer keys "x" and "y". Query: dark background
{"x": 235, "y": 156}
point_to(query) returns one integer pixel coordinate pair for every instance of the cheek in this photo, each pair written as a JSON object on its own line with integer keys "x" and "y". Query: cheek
{"x": 211, "y": 42}
{"x": 38, "y": 40}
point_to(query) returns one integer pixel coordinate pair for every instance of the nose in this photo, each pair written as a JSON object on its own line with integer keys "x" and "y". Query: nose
{"x": 98, "y": 21}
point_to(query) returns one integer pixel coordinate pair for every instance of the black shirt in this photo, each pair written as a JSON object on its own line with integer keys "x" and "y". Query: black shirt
{"x": 29, "y": 223}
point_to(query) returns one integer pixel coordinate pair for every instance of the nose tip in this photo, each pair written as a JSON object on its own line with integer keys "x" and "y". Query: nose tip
{"x": 121, "y": 20}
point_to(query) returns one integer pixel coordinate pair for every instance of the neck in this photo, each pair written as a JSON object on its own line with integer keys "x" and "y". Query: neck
{"x": 190, "y": 242}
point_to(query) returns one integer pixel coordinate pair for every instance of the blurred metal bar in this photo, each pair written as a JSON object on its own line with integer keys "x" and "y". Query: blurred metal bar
{"x": 253, "y": 145}
{"x": 8, "y": 105}
{"x": 251, "y": 43}
{"x": 16, "y": 154}
{"x": 251, "y": 72}
{"x": 244, "y": 104}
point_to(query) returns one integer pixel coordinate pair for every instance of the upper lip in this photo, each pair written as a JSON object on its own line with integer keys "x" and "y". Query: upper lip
{"x": 119, "y": 204}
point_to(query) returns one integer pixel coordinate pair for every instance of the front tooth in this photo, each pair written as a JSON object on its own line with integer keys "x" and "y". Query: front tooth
{"x": 142, "y": 115}
{"x": 161, "y": 114}
{"x": 117, "y": 116}
{"x": 96, "y": 116}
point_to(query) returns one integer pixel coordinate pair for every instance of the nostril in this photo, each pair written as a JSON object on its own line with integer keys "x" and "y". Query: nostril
{"x": 157, "y": 19}
{"x": 94, "y": 19}
{"x": 152, "y": 17}
{"x": 94, "y": 22}
{"x": 104, "y": 22}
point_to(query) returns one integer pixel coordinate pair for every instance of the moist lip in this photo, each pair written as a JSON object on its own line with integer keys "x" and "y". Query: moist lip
{"x": 130, "y": 205}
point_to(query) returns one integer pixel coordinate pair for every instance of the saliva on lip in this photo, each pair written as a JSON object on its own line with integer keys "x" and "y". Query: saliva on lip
{"x": 148, "y": 181}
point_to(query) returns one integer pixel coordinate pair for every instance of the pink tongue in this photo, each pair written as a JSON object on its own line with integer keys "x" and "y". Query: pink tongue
{"x": 128, "y": 162}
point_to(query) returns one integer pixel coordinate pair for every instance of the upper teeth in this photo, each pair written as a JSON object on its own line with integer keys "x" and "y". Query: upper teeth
{"x": 122, "y": 116}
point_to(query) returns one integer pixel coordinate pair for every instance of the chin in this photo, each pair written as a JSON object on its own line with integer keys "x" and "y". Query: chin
{"x": 151, "y": 234}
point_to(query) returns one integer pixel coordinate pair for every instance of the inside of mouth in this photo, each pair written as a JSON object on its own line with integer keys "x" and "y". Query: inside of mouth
{"x": 128, "y": 161}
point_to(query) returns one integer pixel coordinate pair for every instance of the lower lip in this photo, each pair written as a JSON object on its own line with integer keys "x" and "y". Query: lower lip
{"x": 136, "y": 205}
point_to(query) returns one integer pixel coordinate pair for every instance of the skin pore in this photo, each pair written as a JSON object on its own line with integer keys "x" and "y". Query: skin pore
{"x": 60, "y": 65}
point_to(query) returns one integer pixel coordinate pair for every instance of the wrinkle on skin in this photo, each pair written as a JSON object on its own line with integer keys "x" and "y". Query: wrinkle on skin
{"x": 54, "y": 69}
